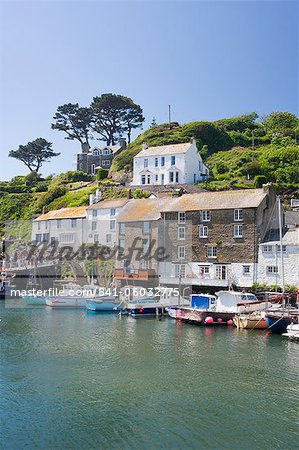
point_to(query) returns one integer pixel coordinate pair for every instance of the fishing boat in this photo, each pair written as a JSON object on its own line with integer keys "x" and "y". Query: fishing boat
{"x": 277, "y": 322}
{"x": 292, "y": 331}
{"x": 138, "y": 301}
{"x": 104, "y": 303}
{"x": 209, "y": 309}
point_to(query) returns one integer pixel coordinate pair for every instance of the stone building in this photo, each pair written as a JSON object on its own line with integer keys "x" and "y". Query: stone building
{"x": 92, "y": 159}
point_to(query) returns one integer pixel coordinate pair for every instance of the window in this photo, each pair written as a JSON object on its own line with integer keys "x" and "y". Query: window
{"x": 46, "y": 227}
{"x": 206, "y": 216}
{"x": 272, "y": 270}
{"x": 181, "y": 252}
{"x": 246, "y": 270}
{"x": 94, "y": 213}
{"x": 203, "y": 231}
{"x": 156, "y": 162}
{"x": 172, "y": 160}
{"x": 66, "y": 238}
{"x": 96, "y": 238}
{"x": 181, "y": 217}
{"x": 163, "y": 161}
{"x": 93, "y": 226}
{"x": 238, "y": 231}
{"x": 156, "y": 177}
{"x": 171, "y": 177}
{"x": 74, "y": 223}
{"x": 180, "y": 270}
{"x": 142, "y": 179}
{"x": 212, "y": 251}
{"x": 112, "y": 212}
{"x": 106, "y": 162}
{"x": 146, "y": 227}
{"x": 107, "y": 152}
{"x": 204, "y": 270}
{"x": 148, "y": 179}
{"x": 122, "y": 227}
{"x": 108, "y": 239}
{"x": 177, "y": 177}
{"x": 181, "y": 233}
{"x": 145, "y": 246}
{"x": 162, "y": 178}
{"x": 145, "y": 163}
{"x": 96, "y": 153}
{"x": 121, "y": 247}
{"x": 38, "y": 237}
{"x": 112, "y": 224}
{"x": 238, "y": 214}
{"x": 38, "y": 226}
{"x": 267, "y": 248}
{"x": 58, "y": 223}
{"x": 46, "y": 237}
{"x": 93, "y": 169}
{"x": 284, "y": 247}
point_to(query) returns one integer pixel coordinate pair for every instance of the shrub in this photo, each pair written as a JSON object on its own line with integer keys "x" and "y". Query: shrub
{"x": 259, "y": 180}
{"x": 102, "y": 174}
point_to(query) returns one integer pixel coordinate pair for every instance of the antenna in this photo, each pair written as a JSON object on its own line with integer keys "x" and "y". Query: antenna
{"x": 169, "y": 116}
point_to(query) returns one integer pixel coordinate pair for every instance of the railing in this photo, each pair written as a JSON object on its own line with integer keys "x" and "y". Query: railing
{"x": 140, "y": 274}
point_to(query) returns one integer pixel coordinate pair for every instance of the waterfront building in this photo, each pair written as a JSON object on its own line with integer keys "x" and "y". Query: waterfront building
{"x": 62, "y": 227}
{"x": 270, "y": 259}
{"x": 211, "y": 238}
{"x": 101, "y": 221}
{"x": 169, "y": 164}
{"x": 92, "y": 159}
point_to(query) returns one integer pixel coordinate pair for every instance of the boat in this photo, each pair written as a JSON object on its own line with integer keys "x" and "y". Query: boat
{"x": 277, "y": 322}
{"x": 292, "y": 331}
{"x": 7, "y": 289}
{"x": 71, "y": 296}
{"x": 104, "y": 303}
{"x": 138, "y": 301}
{"x": 209, "y": 309}
{"x": 250, "y": 321}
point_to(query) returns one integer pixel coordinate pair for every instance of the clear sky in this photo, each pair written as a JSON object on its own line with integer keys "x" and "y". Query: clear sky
{"x": 208, "y": 59}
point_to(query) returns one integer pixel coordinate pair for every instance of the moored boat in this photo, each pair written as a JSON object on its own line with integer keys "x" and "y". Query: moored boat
{"x": 71, "y": 296}
{"x": 292, "y": 331}
{"x": 106, "y": 303}
{"x": 277, "y": 322}
{"x": 250, "y": 321}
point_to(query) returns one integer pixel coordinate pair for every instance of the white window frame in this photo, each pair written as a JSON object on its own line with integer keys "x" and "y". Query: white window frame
{"x": 180, "y": 270}
{"x": 146, "y": 227}
{"x": 112, "y": 225}
{"x": 204, "y": 270}
{"x": 246, "y": 269}
{"x": 122, "y": 228}
{"x": 181, "y": 217}
{"x": 203, "y": 231}
{"x": 73, "y": 223}
{"x": 238, "y": 231}
{"x": 95, "y": 238}
{"x": 267, "y": 248}
{"x": 93, "y": 169}
{"x": 145, "y": 163}
{"x": 272, "y": 270}
{"x": 206, "y": 215}
{"x": 112, "y": 212}
{"x": 181, "y": 234}
{"x": 238, "y": 215}
{"x": 172, "y": 160}
{"x": 66, "y": 238}
{"x": 156, "y": 162}
{"x": 181, "y": 252}
{"x": 59, "y": 223}
{"x": 94, "y": 213}
{"x": 93, "y": 226}
{"x": 108, "y": 238}
{"x": 213, "y": 250}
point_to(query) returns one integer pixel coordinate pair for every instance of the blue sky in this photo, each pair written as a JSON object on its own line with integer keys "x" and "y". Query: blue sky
{"x": 207, "y": 59}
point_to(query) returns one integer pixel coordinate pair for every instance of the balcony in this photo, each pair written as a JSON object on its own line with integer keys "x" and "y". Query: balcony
{"x": 132, "y": 274}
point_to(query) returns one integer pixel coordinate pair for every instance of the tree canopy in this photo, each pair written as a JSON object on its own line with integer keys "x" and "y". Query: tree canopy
{"x": 282, "y": 122}
{"x": 113, "y": 115}
{"x": 34, "y": 153}
{"x": 74, "y": 121}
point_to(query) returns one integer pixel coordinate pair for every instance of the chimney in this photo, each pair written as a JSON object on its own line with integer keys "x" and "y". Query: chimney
{"x": 91, "y": 199}
{"x": 123, "y": 143}
{"x": 144, "y": 146}
{"x": 85, "y": 147}
{"x": 193, "y": 141}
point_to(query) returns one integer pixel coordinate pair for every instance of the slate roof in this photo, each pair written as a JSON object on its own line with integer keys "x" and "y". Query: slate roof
{"x": 162, "y": 150}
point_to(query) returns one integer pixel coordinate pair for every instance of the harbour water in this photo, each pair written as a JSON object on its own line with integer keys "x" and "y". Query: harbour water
{"x": 77, "y": 380}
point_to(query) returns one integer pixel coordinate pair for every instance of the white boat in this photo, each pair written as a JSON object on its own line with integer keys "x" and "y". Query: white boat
{"x": 71, "y": 296}
{"x": 292, "y": 331}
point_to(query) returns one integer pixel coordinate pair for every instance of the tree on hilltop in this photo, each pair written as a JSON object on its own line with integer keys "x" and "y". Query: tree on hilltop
{"x": 75, "y": 121}
{"x": 34, "y": 153}
{"x": 284, "y": 123}
{"x": 113, "y": 115}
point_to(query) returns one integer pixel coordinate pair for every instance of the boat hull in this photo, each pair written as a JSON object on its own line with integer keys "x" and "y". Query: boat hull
{"x": 278, "y": 323}
{"x": 250, "y": 323}
{"x": 32, "y": 300}
{"x": 206, "y": 318}
{"x": 65, "y": 302}
{"x": 103, "y": 306}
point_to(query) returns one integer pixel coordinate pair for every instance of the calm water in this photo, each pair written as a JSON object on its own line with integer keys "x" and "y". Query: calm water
{"x": 75, "y": 380}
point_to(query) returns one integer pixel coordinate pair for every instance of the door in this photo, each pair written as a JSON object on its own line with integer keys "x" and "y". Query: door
{"x": 221, "y": 272}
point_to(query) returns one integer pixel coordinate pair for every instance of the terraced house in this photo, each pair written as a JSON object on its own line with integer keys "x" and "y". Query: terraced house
{"x": 210, "y": 239}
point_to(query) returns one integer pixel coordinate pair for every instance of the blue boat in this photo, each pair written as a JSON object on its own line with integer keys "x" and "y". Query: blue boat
{"x": 108, "y": 303}
{"x": 278, "y": 322}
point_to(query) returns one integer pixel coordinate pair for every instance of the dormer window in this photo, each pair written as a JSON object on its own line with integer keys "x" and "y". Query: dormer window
{"x": 96, "y": 153}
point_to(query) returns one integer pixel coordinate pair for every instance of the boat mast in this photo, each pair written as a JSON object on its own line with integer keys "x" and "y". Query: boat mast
{"x": 281, "y": 250}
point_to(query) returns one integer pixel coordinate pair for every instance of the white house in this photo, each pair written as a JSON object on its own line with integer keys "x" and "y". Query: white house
{"x": 65, "y": 227}
{"x": 101, "y": 221}
{"x": 169, "y": 164}
{"x": 269, "y": 260}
